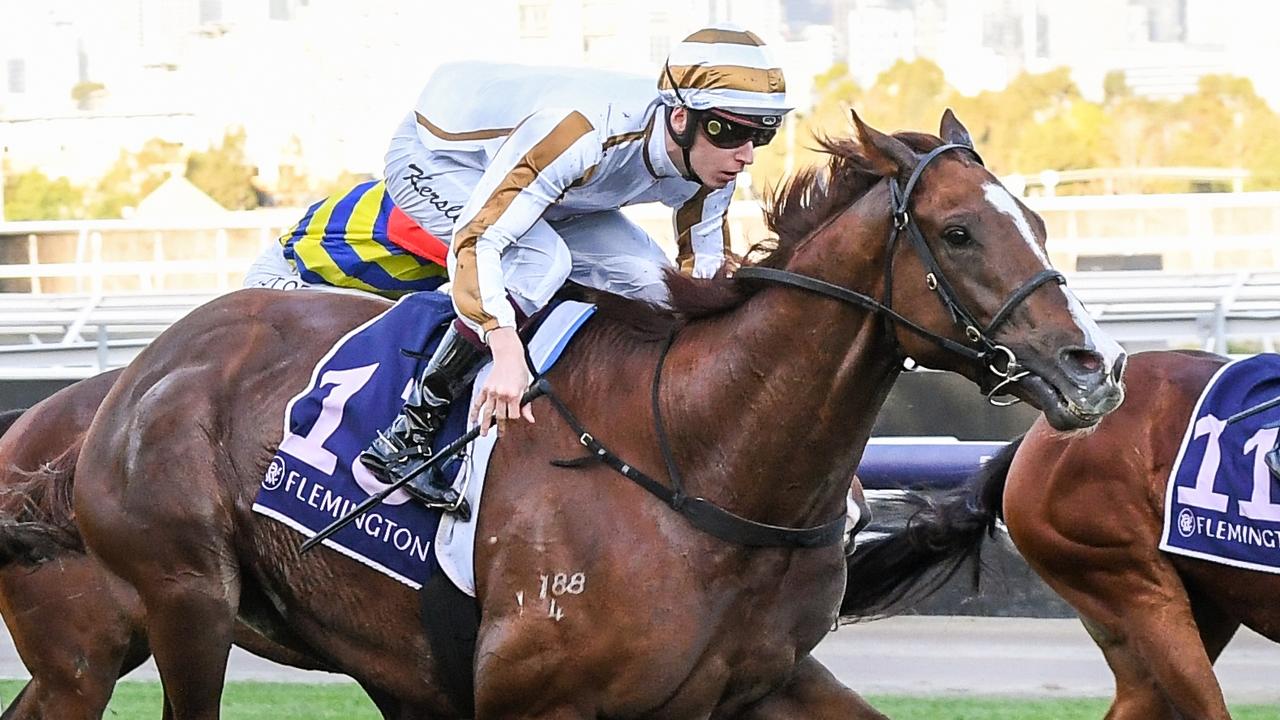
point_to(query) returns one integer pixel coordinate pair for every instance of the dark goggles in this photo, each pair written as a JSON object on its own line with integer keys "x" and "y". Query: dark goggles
{"x": 726, "y": 133}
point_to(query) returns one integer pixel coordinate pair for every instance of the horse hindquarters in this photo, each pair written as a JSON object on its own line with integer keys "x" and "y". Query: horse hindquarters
{"x": 1079, "y": 512}
{"x": 150, "y": 508}
{"x": 76, "y": 627}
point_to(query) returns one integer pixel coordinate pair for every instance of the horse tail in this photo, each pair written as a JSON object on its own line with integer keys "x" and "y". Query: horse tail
{"x": 35, "y": 507}
{"x": 889, "y": 573}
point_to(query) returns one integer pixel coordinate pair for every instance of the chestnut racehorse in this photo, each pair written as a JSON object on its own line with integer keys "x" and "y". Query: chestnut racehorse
{"x": 76, "y": 627}
{"x": 1086, "y": 511}
{"x": 901, "y": 246}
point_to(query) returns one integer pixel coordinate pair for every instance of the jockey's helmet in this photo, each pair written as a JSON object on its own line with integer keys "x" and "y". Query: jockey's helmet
{"x": 727, "y": 79}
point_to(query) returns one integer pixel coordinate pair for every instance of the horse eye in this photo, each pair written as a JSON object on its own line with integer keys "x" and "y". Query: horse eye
{"x": 957, "y": 236}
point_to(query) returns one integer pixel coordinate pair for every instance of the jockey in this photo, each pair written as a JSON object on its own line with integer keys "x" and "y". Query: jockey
{"x": 358, "y": 240}
{"x": 523, "y": 170}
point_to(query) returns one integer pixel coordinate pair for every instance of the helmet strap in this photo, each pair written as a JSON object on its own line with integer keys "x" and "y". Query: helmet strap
{"x": 685, "y": 140}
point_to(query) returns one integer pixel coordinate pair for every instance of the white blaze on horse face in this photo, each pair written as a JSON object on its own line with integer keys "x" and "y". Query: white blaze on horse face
{"x": 1095, "y": 338}
{"x": 1001, "y": 200}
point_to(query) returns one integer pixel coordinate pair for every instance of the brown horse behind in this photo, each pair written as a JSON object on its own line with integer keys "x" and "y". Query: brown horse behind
{"x": 769, "y": 395}
{"x": 76, "y": 627}
{"x": 1085, "y": 509}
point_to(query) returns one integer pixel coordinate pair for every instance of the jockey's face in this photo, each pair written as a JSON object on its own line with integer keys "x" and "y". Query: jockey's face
{"x": 716, "y": 166}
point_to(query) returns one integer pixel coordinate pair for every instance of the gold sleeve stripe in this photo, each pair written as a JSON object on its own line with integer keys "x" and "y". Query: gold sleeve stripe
{"x": 586, "y": 178}
{"x": 688, "y": 215}
{"x": 623, "y": 138}
{"x": 724, "y": 232}
{"x": 731, "y": 37}
{"x": 466, "y": 280}
{"x": 726, "y": 77}
{"x": 466, "y": 289}
{"x": 471, "y": 135}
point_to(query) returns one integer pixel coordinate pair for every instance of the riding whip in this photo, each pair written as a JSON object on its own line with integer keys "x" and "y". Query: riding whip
{"x": 445, "y": 453}
{"x": 1250, "y": 412}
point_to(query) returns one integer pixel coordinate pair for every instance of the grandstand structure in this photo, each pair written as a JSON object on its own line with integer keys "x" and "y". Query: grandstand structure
{"x": 1157, "y": 271}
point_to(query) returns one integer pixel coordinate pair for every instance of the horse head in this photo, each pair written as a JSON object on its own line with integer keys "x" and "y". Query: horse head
{"x": 957, "y": 269}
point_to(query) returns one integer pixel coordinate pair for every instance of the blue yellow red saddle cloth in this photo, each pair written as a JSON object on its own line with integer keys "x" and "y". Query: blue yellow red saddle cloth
{"x": 356, "y": 390}
{"x": 1222, "y": 503}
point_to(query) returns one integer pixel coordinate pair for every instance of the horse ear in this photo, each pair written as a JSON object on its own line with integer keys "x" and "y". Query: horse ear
{"x": 887, "y": 156}
{"x": 953, "y": 132}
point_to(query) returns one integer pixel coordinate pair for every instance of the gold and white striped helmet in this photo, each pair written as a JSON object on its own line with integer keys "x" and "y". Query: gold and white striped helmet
{"x": 726, "y": 68}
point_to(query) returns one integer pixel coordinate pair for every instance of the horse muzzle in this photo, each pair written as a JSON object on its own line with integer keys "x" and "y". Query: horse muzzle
{"x": 1077, "y": 390}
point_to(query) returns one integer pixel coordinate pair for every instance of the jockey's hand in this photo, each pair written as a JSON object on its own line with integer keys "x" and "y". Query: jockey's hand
{"x": 499, "y": 397}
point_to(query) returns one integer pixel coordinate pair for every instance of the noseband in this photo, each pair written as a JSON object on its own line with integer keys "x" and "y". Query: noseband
{"x": 998, "y": 359}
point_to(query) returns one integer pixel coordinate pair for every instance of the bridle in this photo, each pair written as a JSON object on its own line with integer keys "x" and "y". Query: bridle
{"x": 996, "y": 358}
{"x": 721, "y": 523}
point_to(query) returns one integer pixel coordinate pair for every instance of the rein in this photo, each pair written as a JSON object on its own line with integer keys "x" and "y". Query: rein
{"x": 725, "y": 525}
{"x": 990, "y": 353}
{"x": 701, "y": 513}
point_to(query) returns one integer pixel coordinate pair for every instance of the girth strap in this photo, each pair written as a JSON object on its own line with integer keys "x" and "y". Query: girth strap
{"x": 702, "y": 514}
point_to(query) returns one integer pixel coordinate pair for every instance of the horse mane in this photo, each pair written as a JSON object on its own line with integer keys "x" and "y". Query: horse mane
{"x": 794, "y": 210}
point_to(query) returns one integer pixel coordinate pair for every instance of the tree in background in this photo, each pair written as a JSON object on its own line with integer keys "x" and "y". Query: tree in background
{"x": 224, "y": 174}
{"x": 133, "y": 177}
{"x": 294, "y": 188}
{"x": 910, "y": 95}
{"x": 32, "y": 195}
{"x": 1011, "y": 125}
{"x": 1225, "y": 124}
{"x": 795, "y": 146}
{"x": 1040, "y": 121}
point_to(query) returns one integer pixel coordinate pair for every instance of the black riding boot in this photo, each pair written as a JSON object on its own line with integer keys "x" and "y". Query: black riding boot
{"x": 406, "y": 446}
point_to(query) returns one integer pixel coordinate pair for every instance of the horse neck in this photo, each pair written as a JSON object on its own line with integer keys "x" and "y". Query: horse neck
{"x": 769, "y": 407}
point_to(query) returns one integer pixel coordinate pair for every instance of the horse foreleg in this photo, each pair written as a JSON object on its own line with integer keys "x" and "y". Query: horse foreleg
{"x": 813, "y": 693}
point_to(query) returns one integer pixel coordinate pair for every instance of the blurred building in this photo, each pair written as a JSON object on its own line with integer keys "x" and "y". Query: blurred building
{"x": 1163, "y": 47}
{"x": 318, "y": 85}
{"x": 879, "y": 33}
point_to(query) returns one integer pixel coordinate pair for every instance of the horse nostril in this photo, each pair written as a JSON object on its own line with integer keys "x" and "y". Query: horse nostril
{"x": 1083, "y": 361}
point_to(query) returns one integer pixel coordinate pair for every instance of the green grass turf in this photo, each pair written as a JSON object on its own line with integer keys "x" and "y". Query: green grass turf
{"x": 967, "y": 708}
{"x": 290, "y": 701}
